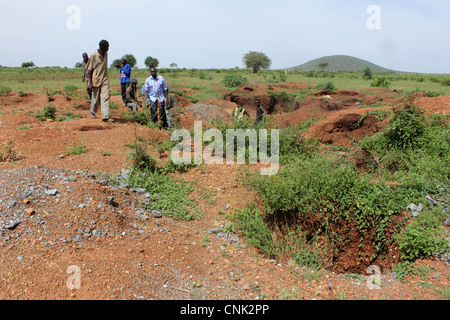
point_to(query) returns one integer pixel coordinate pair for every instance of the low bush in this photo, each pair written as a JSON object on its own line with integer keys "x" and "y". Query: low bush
{"x": 167, "y": 194}
{"x": 380, "y": 82}
{"x": 9, "y": 154}
{"x": 406, "y": 126}
{"x": 234, "y": 80}
{"x": 140, "y": 159}
{"x": 76, "y": 149}
{"x": 4, "y": 91}
{"x": 328, "y": 85}
{"x": 71, "y": 90}
{"x": 423, "y": 237}
{"x": 445, "y": 82}
{"x": 48, "y": 113}
{"x": 258, "y": 234}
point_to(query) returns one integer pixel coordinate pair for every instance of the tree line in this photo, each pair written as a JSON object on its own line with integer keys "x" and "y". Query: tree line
{"x": 253, "y": 60}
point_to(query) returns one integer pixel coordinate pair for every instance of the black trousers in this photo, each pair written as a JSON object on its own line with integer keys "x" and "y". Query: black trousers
{"x": 123, "y": 89}
{"x": 162, "y": 112}
{"x": 89, "y": 91}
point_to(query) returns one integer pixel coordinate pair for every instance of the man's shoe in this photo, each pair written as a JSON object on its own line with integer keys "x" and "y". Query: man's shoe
{"x": 93, "y": 116}
{"x": 107, "y": 120}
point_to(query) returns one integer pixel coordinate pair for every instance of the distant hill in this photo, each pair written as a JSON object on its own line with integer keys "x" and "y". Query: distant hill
{"x": 341, "y": 63}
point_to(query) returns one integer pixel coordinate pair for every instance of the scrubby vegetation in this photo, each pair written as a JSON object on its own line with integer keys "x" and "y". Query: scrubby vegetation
{"x": 320, "y": 203}
{"x": 322, "y": 199}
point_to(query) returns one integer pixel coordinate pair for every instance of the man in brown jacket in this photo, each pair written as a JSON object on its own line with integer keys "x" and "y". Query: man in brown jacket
{"x": 97, "y": 71}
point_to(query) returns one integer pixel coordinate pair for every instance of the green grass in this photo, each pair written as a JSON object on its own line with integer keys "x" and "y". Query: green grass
{"x": 76, "y": 149}
{"x": 34, "y": 79}
{"x": 326, "y": 188}
{"x": 167, "y": 194}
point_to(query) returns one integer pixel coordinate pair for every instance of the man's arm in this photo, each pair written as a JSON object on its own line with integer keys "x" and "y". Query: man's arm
{"x": 88, "y": 72}
{"x": 89, "y": 75}
{"x": 84, "y": 74}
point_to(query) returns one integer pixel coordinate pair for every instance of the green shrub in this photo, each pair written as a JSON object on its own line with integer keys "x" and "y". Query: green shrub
{"x": 68, "y": 116}
{"x": 422, "y": 238}
{"x": 406, "y": 126}
{"x": 380, "y": 82}
{"x": 170, "y": 166}
{"x": 71, "y": 90}
{"x": 445, "y": 82}
{"x": 142, "y": 117}
{"x": 140, "y": 159}
{"x": 294, "y": 145}
{"x": 204, "y": 76}
{"x": 9, "y": 154}
{"x": 367, "y": 73}
{"x": 256, "y": 231}
{"x": 48, "y": 113}
{"x": 50, "y": 93}
{"x": 192, "y": 98}
{"x": 305, "y": 253}
{"x": 234, "y": 80}
{"x": 328, "y": 85}
{"x": 403, "y": 269}
{"x": 323, "y": 189}
{"x": 4, "y": 91}
{"x": 416, "y": 149}
{"x": 167, "y": 194}
{"x": 76, "y": 149}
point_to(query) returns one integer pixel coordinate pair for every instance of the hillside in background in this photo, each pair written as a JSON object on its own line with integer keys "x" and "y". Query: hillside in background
{"x": 341, "y": 63}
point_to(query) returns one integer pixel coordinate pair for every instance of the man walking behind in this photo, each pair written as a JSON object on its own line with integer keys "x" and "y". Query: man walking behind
{"x": 125, "y": 73}
{"x": 97, "y": 69}
{"x": 84, "y": 65}
{"x": 155, "y": 90}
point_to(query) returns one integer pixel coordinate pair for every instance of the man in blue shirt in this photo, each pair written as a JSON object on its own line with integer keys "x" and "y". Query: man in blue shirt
{"x": 125, "y": 73}
{"x": 155, "y": 90}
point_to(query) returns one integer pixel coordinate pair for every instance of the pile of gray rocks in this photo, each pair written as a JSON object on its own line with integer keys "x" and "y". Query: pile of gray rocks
{"x": 42, "y": 202}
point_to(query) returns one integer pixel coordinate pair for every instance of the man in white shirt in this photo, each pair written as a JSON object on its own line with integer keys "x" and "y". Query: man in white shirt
{"x": 155, "y": 90}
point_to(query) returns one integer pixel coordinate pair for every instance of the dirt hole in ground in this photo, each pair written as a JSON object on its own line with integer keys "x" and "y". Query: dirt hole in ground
{"x": 355, "y": 251}
{"x": 94, "y": 127}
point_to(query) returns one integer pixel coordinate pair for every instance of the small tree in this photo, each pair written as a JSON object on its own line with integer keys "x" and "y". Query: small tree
{"x": 131, "y": 60}
{"x": 116, "y": 64}
{"x": 367, "y": 73}
{"x": 323, "y": 65}
{"x": 173, "y": 65}
{"x": 78, "y": 65}
{"x": 151, "y": 62}
{"x": 28, "y": 64}
{"x": 256, "y": 60}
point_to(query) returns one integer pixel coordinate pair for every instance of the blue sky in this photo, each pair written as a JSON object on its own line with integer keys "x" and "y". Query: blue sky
{"x": 410, "y": 35}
